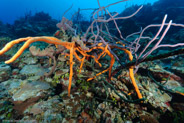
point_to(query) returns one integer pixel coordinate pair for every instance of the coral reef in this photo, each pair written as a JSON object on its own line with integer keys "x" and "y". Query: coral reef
{"x": 100, "y": 75}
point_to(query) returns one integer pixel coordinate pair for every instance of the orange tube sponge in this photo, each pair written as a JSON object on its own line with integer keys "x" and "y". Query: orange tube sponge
{"x": 131, "y": 74}
{"x": 71, "y": 70}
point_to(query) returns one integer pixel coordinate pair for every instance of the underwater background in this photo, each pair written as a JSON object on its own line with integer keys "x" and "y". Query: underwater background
{"x": 12, "y": 10}
{"x": 88, "y": 61}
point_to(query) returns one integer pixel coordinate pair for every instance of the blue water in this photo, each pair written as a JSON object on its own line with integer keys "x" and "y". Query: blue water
{"x": 11, "y": 10}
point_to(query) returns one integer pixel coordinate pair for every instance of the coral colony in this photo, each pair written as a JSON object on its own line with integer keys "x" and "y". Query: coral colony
{"x": 98, "y": 39}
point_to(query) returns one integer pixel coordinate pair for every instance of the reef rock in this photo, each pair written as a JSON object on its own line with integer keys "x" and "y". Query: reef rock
{"x": 5, "y": 71}
{"x": 45, "y": 111}
{"x": 29, "y": 90}
{"x": 33, "y": 70}
{"x": 28, "y": 94}
{"x": 178, "y": 71}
